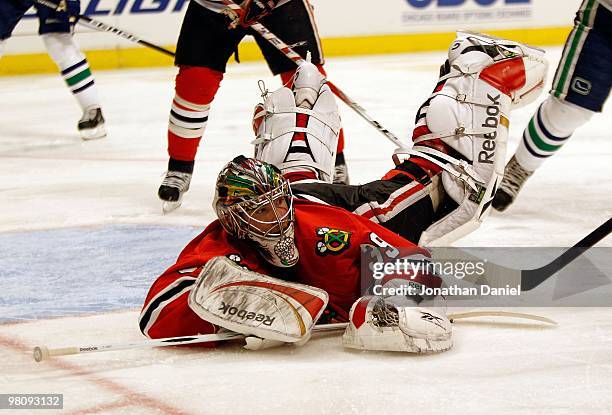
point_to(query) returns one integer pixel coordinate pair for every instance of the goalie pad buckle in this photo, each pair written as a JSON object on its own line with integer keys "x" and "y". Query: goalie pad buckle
{"x": 250, "y": 303}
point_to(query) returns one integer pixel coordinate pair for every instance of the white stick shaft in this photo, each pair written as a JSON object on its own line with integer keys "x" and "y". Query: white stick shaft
{"x": 42, "y": 353}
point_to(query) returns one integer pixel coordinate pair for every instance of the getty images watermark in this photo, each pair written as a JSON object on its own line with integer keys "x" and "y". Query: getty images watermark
{"x": 482, "y": 277}
{"x": 406, "y": 271}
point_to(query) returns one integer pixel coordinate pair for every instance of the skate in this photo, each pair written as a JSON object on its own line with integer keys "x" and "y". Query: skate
{"x": 91, "y": 124}
{"x": 514, "y": 178}
{"x": 341, "y": 175}
{"x": 172, "y": 189}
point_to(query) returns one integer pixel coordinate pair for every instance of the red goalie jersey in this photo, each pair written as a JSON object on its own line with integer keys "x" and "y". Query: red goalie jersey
{"x": 328, "y": 240}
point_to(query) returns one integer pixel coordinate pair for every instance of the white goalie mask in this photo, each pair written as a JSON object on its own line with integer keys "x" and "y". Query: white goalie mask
{"x": 254, "y": 201}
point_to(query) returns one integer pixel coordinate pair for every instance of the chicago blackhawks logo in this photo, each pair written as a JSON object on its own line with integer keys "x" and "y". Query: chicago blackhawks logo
{"x": 333, "y": 241}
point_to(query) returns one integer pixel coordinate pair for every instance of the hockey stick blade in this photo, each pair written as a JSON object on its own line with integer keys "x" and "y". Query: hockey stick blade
{"x": 531, "y": 278}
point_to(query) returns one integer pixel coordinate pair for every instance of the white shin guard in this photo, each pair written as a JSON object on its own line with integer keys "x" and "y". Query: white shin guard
{"x": 549, "y": 129}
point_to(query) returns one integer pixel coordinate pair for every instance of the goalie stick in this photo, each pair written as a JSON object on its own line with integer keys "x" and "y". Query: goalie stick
{"x": 43, "y": 353}
{"x": 232, "y": 11}
{"x": 98, "y": 25}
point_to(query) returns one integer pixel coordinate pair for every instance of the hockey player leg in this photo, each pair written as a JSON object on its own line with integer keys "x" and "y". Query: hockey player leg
{"x": 580, "y": 88}
{"x": 550, "y": 127}
{"x": 254, "y": 304}
{"x": 195, "y": 89}
{"x": 341, "y": 174}
{"x": 465, "y": 124}
{"x": 76, "y": 73}
{"x": 377, "y": 323}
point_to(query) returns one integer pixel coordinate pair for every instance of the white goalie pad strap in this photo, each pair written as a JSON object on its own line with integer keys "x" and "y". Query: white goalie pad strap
{"x": 329, "y": 122}
{"x": 290, "y": 164}
{"x": 453, "y": 166}
{"x": 290, "y": 130}
{"x": 462, "y": 97}
{"x": 250, "y": 303}
{"x": 378, "y": 324}
{"x": 460, "y": 131}
{"x": 461, "y": 165}
{"x": 314, "y": 149}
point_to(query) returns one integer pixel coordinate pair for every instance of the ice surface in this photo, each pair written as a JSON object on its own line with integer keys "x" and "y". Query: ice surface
{"x": 81, "y": 230}
{"x": 79, "y": 270}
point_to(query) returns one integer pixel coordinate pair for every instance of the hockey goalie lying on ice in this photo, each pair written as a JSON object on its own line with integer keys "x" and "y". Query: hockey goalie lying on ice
{"x": 284, "y": 253}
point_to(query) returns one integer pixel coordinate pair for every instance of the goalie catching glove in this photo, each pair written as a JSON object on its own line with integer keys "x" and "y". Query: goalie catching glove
{"x": 378, "y": 323}
{"x": 250, "y": 303}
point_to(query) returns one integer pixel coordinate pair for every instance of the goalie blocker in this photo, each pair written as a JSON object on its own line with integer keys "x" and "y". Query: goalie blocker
{"x": 250, "y": 303}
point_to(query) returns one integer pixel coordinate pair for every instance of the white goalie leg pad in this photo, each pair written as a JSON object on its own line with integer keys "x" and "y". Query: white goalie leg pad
{"x": 250, "y": 303}
{"x": 298, "y": 139}
{"x": 486, "y": 77}
{"x": 378, "y": 324}
{"x": 307, "y": 83}
{"x": 482, "y": 138}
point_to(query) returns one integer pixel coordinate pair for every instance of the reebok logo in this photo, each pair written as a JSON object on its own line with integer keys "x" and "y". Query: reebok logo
{"x": 432, "y": 319}
{"x": 487, "y": 152}
{"x": 229, "y": 309}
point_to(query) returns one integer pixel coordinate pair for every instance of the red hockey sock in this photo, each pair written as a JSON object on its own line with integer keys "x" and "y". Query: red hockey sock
{"x": 195, "y": 88}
